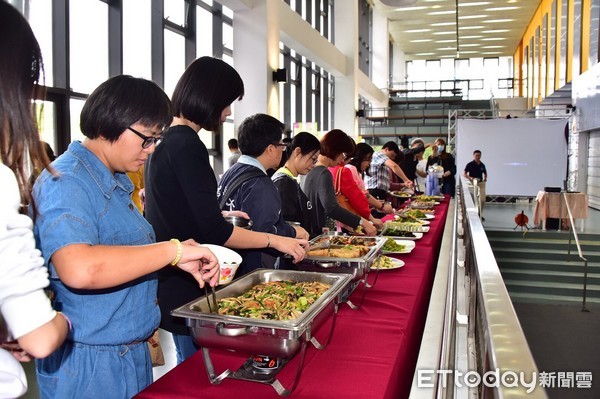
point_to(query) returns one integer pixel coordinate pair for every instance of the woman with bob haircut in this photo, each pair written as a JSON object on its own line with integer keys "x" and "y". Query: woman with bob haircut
{"x": 181, "y": 187}
{"x": 29, "y": 324}
{"x": 318, "y": 185}
{"x": 301, "y": 156}
{"x": 101, "y": 252}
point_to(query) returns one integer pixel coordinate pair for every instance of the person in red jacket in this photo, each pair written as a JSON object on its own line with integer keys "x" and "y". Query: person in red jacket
{"x": 356, "y": 196}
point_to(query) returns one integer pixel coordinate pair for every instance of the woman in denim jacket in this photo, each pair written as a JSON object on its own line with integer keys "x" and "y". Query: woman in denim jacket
{"x": 100, "y": 250}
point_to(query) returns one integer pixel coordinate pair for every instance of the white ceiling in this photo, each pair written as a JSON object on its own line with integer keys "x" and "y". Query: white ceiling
{"x": 427, "y": 30}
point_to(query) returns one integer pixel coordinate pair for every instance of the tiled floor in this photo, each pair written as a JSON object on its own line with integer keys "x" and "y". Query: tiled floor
{"x": 502, "y": 217}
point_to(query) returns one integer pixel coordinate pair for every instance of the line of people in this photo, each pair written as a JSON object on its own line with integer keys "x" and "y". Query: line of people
{"x": 113, "y": 275}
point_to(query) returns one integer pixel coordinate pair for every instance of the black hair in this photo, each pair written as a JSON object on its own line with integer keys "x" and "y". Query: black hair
{"x": 232, "y": 143}
{"x": 361, "y": 152}
{"x": 476, "y": 151}
{"x": 308, "y": 143}
{"x": 122, "y": 101}
{"x": 257, "y": 132}
{"x": 392, "y": 146}
{"x": 21, "y": 80}
{"x": 206, "y": 88}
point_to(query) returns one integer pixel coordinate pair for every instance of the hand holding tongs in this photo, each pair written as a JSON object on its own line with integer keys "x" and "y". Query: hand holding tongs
{"x": 214, "y": 307}
{"x": 322, "y": 244}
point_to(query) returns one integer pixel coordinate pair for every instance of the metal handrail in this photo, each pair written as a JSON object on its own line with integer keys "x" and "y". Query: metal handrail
{"x": 492, "y": 317}
{"x": 448, "y": 346}
{"x": 579, "y": 251}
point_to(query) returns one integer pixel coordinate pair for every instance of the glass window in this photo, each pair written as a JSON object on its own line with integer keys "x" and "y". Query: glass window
{"x": 76, "y": 106}
{"x": 40, "y": 19}
{"x": 136, "y": 38}
{"x": 88, "y": 20}
{"x": 174, "y": 60}
{"x": 543, "y": 54}
{"x": 228, "y": 12}
{"x": 563, "y": 45}
{"x": 204, "y": 36}
{"x": 46, "y": 122}
{"x": 228, "y": 36}
{"x": 594, "y": 26}
{"x": 175, "y": 11}
{"x": 552, "y": 50}
{"x": 577, "y": 38}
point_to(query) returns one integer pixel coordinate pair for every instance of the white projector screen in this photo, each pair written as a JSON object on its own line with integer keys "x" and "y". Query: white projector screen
{"x": 521, "y": 155}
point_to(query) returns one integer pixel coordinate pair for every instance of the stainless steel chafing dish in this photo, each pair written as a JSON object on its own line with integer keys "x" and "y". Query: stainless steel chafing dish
{"x": 280, "y": 339}
{"x": 358, "y": 268}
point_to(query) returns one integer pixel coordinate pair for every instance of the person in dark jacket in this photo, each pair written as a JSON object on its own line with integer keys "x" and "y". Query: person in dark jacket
{"x": 259, "y": 138}
{"x": 302, "y": 155}
{"x": 181, "y": 187}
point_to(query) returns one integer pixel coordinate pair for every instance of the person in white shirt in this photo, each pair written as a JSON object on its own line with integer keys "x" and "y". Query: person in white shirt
{"x": 29, "y": 327}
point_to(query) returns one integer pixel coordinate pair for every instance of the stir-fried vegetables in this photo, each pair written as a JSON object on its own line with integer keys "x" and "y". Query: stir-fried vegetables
{"x": 392, "y": 246}
{"x": 274, "y": 300}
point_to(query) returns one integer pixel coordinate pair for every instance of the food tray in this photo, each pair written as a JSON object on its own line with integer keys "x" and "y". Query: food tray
{"x": 276, "y": 338}
{"x": 354, "y": 266}
{"x": 404, "y": 226}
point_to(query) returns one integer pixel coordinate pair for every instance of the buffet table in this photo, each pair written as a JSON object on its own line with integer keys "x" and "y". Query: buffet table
{"x": 372, "y": 353}
{"x": 552, "y": 205}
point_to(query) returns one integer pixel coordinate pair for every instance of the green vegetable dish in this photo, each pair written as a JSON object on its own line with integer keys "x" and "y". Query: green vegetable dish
{"x": 392, "y": 246}
{"x": 274, "y": 300}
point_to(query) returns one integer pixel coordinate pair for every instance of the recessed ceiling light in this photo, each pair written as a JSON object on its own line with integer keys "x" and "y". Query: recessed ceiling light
{"x": 471, "y": 37}
{"x": 446, "y": 49}
{"x": 442, "y": 12}
{"x": 495, "y": 31}
{"x": 475, "y": 4}
{"x": 446, "y": 41}
{"x": 491, "y": 52}
{"x": 493, "y": 21}
{"x": 470, "y": 45}
{"x": 420, "y": 41}
{"x": 502, "y": 8}
{"x": 422, "y": 54}
{"x": 472, "y": 16}
{"x": 493, "y": 46}
{"x": 493, "y": 39}
{"x": 445, "y": 33}
{"x": 410, "y": 8}
{"x": 443, "y": 24}
{"x": 468, "y": 52}
{"x": 417, "y": 30}
{"x": 470, "y": 27}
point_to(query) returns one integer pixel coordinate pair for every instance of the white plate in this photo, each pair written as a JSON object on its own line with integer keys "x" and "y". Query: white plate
{"x": 229, "y": 261}
{"x": 425, "y": 222}
{"x": 408, "y": 246}
{"x": 416, "y": 237}
{"x": 395, "y": 264}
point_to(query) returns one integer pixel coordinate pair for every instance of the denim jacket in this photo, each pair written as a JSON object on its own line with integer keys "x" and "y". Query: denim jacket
{"x": 87, "y": 204}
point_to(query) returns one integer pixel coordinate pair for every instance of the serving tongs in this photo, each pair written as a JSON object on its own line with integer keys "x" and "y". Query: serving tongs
{"x": 214, "y": 308}
{"x": 322, "y": 244}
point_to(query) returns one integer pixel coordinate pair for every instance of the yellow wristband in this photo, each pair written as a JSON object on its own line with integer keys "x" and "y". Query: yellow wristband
{"x": 179, "y": 250}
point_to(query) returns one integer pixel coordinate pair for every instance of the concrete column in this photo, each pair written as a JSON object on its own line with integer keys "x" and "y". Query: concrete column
{"x": 255, "y": 57}
{"x": 346, "y": 86}
{"x": 399, "y": 66}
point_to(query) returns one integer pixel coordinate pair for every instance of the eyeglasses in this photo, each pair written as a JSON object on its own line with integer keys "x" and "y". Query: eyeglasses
{"x": 282, "y": 145}
{"x": 148, "y": 140}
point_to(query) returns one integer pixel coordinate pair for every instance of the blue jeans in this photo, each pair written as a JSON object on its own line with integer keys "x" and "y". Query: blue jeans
{"x": 184, "y": 347}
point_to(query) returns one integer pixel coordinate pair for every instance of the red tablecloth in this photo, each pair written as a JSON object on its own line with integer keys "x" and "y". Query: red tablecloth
{"x": 372, "y": 353}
